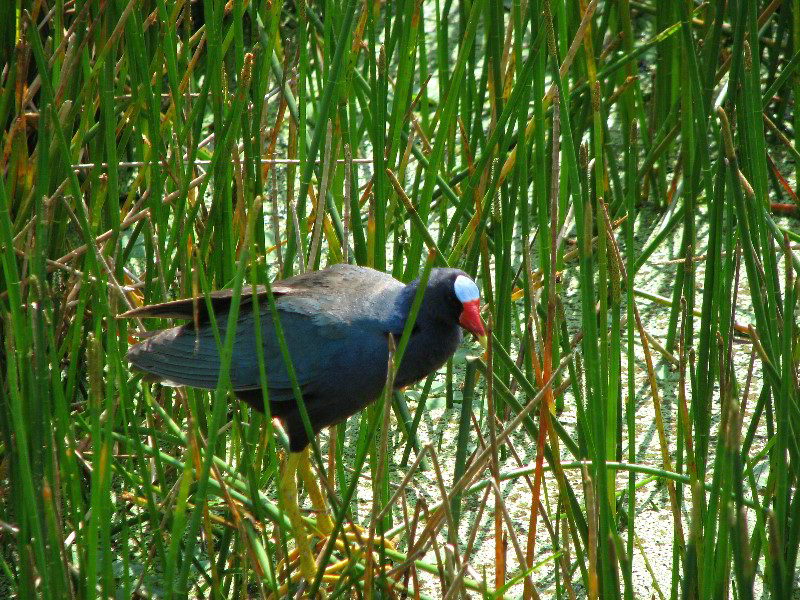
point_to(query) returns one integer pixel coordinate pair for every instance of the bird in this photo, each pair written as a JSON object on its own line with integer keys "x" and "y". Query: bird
{"x": 336, "y": 323}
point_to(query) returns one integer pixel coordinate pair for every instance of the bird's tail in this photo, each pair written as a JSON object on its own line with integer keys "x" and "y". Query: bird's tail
{"x": 179, "y": 356}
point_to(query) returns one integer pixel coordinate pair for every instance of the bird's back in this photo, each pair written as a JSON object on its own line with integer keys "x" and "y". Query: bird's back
{"x": 331, "y": 320}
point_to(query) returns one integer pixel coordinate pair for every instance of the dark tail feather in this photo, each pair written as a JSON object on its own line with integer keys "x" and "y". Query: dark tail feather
{"x": 179, "y": 356}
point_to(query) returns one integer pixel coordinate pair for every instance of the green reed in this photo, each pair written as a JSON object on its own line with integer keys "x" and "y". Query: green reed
{"x": 140, "y": 141}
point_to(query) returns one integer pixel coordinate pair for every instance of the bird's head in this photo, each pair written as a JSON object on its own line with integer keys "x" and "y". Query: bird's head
{"x": 451, "y": 298}
{"x": 467, "y": 294}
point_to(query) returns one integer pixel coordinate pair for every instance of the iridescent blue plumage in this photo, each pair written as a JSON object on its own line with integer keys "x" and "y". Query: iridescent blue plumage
{"x": 336, "y": 324}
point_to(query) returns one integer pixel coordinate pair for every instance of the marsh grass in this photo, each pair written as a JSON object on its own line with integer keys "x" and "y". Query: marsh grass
{"x": 159, "y": 149}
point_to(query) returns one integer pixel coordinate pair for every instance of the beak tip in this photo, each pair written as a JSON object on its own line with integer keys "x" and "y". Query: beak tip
{"x": 484, "y": 341}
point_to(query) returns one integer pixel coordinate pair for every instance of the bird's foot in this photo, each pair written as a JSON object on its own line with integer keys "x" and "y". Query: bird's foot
{"x": 350, "y": 548}
{"x": 357, "y": 538}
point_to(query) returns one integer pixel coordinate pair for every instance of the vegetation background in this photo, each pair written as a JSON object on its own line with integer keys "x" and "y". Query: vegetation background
{"x": 160, "y": 149}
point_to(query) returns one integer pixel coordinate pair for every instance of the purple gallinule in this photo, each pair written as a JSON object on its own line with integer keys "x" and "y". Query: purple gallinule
{"x": 336, "y": 324}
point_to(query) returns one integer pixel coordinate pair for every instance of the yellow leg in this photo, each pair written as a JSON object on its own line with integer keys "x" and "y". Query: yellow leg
{"x": 353, "y": 533}
{"x": 288, "y": 490}
{"x": 324, "y": 521}
{"x": 299, "y": 463}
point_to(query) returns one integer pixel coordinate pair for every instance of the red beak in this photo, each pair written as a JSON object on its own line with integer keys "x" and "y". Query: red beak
{"x": 470, "y": 318}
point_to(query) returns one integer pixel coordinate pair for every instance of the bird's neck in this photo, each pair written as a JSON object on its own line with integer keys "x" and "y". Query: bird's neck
{"x": 429, "y": 347}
